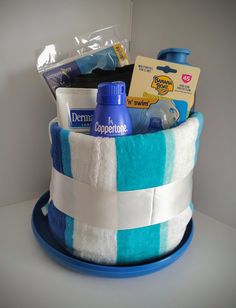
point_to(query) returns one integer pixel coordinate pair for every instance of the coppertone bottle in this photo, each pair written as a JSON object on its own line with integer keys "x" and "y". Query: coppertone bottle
{"x": 111, "y": 117}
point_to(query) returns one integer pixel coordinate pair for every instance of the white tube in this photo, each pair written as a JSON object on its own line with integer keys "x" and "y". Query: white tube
{"x": 75, "y": 108}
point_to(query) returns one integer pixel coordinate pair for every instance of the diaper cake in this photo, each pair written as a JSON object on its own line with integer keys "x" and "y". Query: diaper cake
{"x": 121, "y": 186}
{"x": 123, "y": 200}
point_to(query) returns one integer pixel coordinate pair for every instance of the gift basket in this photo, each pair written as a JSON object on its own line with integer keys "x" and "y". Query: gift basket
{"x": 123, "y": 150}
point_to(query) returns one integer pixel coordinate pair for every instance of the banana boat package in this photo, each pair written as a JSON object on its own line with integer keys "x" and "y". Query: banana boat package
{"x": 161, "y": 94}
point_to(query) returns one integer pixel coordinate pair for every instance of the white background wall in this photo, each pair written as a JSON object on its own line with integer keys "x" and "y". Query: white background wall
{"x": 26, "y": 106}
{"x": 208, "y": 29}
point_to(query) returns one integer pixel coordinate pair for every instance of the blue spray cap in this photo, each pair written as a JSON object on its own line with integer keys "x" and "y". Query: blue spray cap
{"x": 111, "y": 93}
{"x": 176, "y": 55}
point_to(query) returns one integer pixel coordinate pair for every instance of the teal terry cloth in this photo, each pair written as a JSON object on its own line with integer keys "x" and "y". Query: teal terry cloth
{"x": 146, "y": 243}
{"x": 65, "y": 152}
{"x": 170, "y": 154}
{"x": 69, "y": 232}
{"x": 141, "y": 161}
{"x": 200, "y": 118}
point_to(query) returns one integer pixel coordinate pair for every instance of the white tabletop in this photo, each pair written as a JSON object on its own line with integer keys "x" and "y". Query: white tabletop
{"x": 205, "y": 276}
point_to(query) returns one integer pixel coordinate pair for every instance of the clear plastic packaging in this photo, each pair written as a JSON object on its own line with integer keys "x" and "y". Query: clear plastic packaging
{"x": 163, "y": 115}
{"x": 61, "y": 62}
{"x": 159, "y": 116}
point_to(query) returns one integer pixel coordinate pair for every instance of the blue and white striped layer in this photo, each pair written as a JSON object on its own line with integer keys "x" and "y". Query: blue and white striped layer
{"x": 129, "y": 162}
{"x": 121, "y": 247}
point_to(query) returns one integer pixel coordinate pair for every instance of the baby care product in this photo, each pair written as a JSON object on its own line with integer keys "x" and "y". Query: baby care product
{"x": 161, "y": 94}
{"x": 111, "y": 117}
{"x": 61, "y": 62}
{"x": 63, "y": 74}
{"x": 75, "y": 108}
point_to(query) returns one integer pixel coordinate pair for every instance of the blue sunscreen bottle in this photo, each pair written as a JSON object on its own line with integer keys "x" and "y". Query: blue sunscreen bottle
{"x": 111, "y": 117}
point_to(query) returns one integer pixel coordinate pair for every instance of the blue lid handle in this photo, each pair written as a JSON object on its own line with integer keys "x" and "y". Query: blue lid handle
{"x": 176, "y": 55}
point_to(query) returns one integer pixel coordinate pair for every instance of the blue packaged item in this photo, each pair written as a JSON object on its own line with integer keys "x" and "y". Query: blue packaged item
{"x": 61, "y": 63}
{"x": 64, "y": 74}
{"x": 111, "y": 117}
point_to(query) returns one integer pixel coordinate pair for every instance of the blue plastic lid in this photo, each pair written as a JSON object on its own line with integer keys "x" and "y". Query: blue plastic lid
{"x": 176, "y": 55}
{"x": 111, "y": 93}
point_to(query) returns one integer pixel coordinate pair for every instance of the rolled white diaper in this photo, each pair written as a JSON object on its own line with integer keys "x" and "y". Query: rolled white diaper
{"x": 119, "y": 210}
{"x": 126, "y": 247}
{"x": 131, "y": 162}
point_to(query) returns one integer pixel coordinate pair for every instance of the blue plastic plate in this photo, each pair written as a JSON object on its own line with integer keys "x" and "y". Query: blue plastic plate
{"x": 45, "y": 238}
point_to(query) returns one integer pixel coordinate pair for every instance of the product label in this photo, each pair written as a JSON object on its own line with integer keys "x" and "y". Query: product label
{"x": 161, "y": 78}
{"x": 163, "y": 84}
{"x": 80, "y": 118}
{"x": 110, "y": 128}
{"x": 61, "y": 76}
{"x": 140, "y": 102}
{"x": 121, "y": 55}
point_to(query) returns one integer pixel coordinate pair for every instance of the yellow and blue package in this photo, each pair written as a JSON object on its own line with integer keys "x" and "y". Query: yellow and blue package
{"x": 161, "y": 94}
